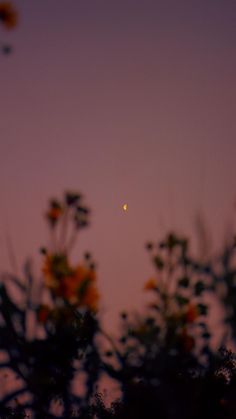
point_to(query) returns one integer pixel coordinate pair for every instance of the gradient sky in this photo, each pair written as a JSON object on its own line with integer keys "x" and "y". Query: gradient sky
{"x": 126, "y": 101}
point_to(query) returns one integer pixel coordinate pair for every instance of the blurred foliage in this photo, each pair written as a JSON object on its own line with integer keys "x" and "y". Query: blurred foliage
{"x": 55, "y": 351}
{"x": 48, "y": 342}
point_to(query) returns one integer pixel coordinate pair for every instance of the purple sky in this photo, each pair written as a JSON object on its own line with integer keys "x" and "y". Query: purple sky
{"x": 127, "y": 101}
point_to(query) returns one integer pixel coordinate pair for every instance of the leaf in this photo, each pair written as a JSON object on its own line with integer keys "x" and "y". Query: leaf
{"x": 203, "y": 309}
{"x": 206, "y": 335}
{"x": 182, "y": 301}
{"x": 172, "y": 241}
{"x": 199, "y": 288}
{"x": 184, "y": 282}
{"x": 158, "y": 262}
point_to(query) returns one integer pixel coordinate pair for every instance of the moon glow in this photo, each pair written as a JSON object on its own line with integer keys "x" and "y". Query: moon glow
{"x": 125, "y": 207}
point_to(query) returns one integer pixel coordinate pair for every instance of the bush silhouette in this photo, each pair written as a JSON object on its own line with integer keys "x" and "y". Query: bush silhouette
{"x": 52, "y": 343}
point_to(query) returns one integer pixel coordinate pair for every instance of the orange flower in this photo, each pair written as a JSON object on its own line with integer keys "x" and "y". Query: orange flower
{"x": 47, "y": 266}
{"x": 56, "y": 266}
{"x": 151, "y": 284}
{"x": 8, "y": 15}
{"x": 43, "y": 313}
{"x": 192, "y": 313}
{"x": 54, "y": 214}
{"x": 77, "y": 286}
{"x": 90, "y": 298}
{"x": 82, "y": 273}
{"x": 69, "y": 288}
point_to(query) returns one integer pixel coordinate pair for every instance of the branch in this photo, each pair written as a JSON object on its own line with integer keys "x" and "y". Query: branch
{"x": 13, "y": 395}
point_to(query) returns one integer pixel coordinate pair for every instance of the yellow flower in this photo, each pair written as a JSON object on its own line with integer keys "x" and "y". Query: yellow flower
{"x": 151, "y": 284}
{"x": 8, "y": 15}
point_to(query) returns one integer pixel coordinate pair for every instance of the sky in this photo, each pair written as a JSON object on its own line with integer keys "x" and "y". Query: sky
{"x": 127, "y": 101}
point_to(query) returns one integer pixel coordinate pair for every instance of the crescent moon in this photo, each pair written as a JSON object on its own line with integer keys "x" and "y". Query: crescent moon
{"x": 125, "y": 207}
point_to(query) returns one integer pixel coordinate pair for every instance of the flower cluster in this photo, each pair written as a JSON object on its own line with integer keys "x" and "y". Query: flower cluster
{"x": 71, "y": 206}
{"x": 178, "y": 287}
{"x": 163, "y": 361}
{"x": 75, "y": 285}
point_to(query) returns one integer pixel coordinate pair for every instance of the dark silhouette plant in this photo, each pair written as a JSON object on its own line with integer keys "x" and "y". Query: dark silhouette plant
{"x": 63, "y": 345}
{"x": 53, "y": 345}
